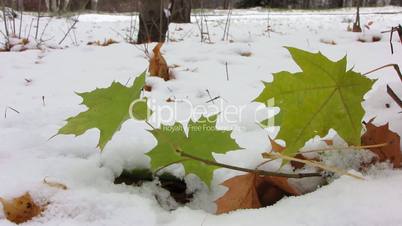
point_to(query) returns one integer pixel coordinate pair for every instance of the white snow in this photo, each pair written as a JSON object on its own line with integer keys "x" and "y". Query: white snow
{"x": 40, "y": 85}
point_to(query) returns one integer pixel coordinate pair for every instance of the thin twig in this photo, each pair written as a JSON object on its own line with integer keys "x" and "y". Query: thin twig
{"x": 128, "y": 80}
{"x": 227, "y": 71}
{"x": 20, "y": 29}
{"x": 268, "y": 21}
{"x": 389, "y": 90}
{"x": 13, "y": 18}
{"x": 166, "y": 166}
{"x": 227, "y": 24}
{"x": 38, "y": 19}
{"x": 259, "y": 172}
{"x": 15, "y": 110}
{"x": 30, "y": 28}
{"x": 263, "y": 163}
{"x": 5, "y": 36}
{"x": 5, "y": 21}
{"x": 310, "y": 163}
{"x": 395, "y": 66}
{"x": 212, "y": 100}
{"x": 347, "y": 148}
{"x": 150, "y": 125}
{"x": 68, "y": 31}
{"x": 210, "y": 97}
{"x": 397, "y": 29}
{"x": 44, "y": 29}
{"x": 394, "y": 96}
{"x": 390, "y": 40}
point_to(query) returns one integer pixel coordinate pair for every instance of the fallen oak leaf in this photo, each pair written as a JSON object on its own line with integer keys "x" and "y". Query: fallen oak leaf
{"x": 253, "y": 191}
{"x": 21, "y": 209}
{"x": 382, "y": 134}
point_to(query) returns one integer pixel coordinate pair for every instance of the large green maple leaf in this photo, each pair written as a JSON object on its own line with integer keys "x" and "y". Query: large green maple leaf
{"x": 108, "y": 109}
{"x": 203, "y": 139}
{"x": 324, "y": 96}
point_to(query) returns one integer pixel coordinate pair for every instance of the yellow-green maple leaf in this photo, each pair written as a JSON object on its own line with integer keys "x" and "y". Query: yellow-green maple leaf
{"x": 108, "y": 109}
{"x": 323, "y": 96}
{"x": 203, "y": 139}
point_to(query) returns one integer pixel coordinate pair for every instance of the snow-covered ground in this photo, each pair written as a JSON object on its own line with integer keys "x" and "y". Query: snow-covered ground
{"x": 40, "y": 85}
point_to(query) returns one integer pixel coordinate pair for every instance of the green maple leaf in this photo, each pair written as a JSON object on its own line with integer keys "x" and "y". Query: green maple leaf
{"x": 108, "y": 109}
{"x": 324, "y": 96}
{"x": 203, "y": 139}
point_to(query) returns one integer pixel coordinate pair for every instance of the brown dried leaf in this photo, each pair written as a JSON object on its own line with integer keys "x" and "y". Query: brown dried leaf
{"x": 170, "y": 100}
{"x": 21, "y": 209}
{"x": 148, "y": 88}
{"x": 253, "y": 191}
{"x": 381, "y": 135}
{"x": 24, "y": 41}
{"x": 278, "y": 148}
{"x": 356, "y": 28}
{"x": 299, "y": 165}
{"x": 157, "y": 65}
{"x": 329, "y": 142}
{"x": 105, "y": 43}
{"x": 275, "y": 146}
{"x": 328, "y": 42}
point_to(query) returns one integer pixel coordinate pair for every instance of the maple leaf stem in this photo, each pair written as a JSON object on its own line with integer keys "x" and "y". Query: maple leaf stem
{"x": 263, "y": 163}
{"x": 395, "y": 66}
{"x": 346, "y": 148}
{"x": 150, "y": 125}
{"x": 259, "y": 172}
{"x": 172, "y": 163}
{"x": 311, "y": 163}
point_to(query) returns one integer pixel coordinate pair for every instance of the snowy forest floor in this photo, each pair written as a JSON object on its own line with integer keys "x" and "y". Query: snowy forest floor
{"x": 40, "y": 85}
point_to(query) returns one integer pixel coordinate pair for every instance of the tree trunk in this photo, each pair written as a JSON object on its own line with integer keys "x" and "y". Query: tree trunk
{"x": 181, "y": 11}
{"x": 94, "y": 5}
{"x": 153, "y": 21}
{"x": 79, "y": 5}
{"x": 54, "y": 7}
{"x": 226, "y": 4}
